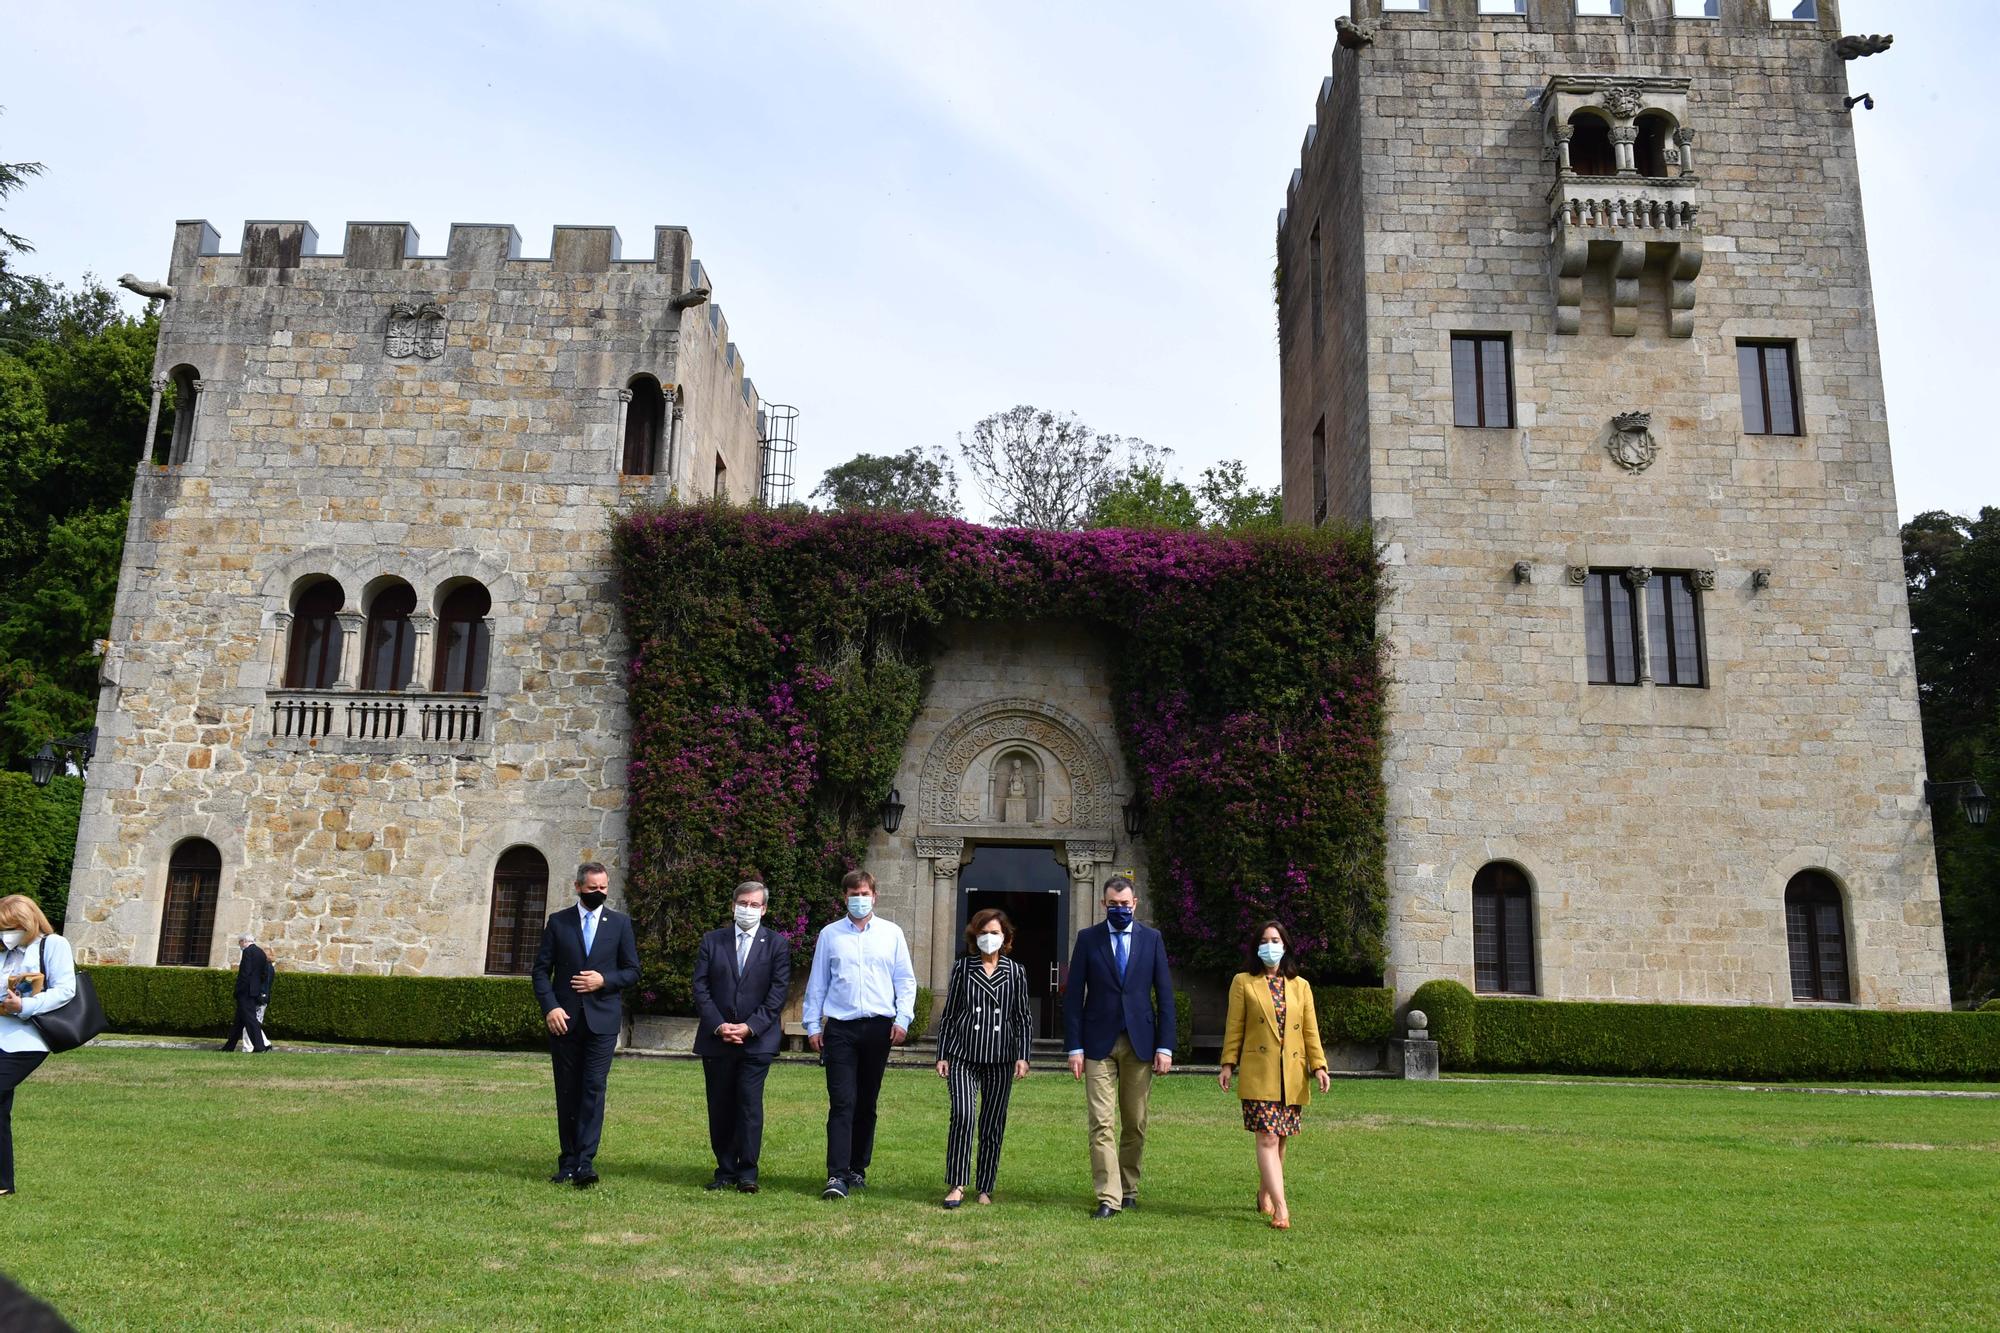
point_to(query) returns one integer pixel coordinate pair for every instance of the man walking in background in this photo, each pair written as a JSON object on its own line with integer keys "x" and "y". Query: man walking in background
{"x": 861, "y": 998}
{"x": 253, "y": 992}
{"x": 1117, "y": 1013}
{"x": 588, "y": 956}
{"x": 742, "y": 977}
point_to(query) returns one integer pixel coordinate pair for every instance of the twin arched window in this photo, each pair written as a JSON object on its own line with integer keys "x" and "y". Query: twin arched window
{"x": 194, "y": 882}
{"x": 520, "y": 903}
{"x": 461, "y": 651}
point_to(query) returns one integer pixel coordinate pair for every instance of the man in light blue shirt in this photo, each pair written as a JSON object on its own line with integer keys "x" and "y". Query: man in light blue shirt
{"x": 861, "y": 998}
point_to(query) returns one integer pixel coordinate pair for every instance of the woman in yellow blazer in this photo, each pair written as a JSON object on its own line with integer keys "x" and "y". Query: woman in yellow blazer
{"x": 1273, "y": 1036}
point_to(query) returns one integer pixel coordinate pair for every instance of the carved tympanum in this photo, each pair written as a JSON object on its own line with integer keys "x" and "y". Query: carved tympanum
{"x": 979, "y": 729}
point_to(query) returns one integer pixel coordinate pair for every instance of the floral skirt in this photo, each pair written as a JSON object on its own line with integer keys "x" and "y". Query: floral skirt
{"x": 1271, "y": 1118}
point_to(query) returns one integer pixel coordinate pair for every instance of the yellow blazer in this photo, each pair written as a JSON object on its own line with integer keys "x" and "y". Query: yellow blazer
{"x": 1251, "y": 1041}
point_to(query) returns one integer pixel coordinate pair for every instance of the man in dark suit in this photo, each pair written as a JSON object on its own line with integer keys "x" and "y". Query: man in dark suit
{"x": 588, "y": 956}
{"x": 741, "y": 979}
{"x": 253, "y": 992}
{"x": 1118, "y": 1014}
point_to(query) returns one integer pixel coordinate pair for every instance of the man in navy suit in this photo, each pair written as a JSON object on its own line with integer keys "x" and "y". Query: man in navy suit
{"x": 588, "y": 956}
{"x": 1118, "y": 1008}
{"x": 741, "y": 979}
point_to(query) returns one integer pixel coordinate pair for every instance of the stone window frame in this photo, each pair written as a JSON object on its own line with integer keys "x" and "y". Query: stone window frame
{"x": 1526, "y": 893}
{"x": 527, "y": 925}
{"x": 292, "y": 674}
{"x": 1652, "y": 704}
{"x": 1319, "y": 478}
{"x": 1479, "y": 339}
{"x": 1831, "y": 890}
{"x": 407, "y": 635}
{"x": 177, "y": 450}
{"x": 1639, "y": 581}
{"x": 154, "y": 856}
{"x": 1763, "y": 346}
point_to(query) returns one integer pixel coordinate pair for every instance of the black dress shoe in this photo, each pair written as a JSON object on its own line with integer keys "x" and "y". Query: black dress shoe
{"x": 1131, "y": 1201}
{"x": 955, "y": 1203}
{"x": 719, "y": 1184}
{"x": 585, "y": 1179}
{"x": 1104, "y": 1210}
{"x": 746, "y": 1187}
{"x": 562, "y": 1177}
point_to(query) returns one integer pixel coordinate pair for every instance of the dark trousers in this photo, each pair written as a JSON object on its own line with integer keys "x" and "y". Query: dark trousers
{"x": 246, "y": 1021}
{"x": 582, "y": 1063}
{"x": 14, "y": 1067}
{"x": 855, "y": 1052}
{"x": 735, "y": 1082}
{"x": 995, "y": 1084}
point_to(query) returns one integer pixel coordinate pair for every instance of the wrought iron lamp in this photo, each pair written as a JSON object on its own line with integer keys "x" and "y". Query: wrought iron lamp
{"x": 43, "y": 766}
{"x": 1135, "y": 817}
{"x": 1968, "y": 796}
{"x": 892, "y": 811}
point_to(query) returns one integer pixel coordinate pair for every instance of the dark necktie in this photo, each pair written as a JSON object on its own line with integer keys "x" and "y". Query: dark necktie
{"x": 1119, "y": 937}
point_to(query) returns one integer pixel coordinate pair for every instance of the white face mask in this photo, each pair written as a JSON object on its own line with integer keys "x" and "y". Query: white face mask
{"x": 991, "y": 943}
{"x": 748, "y": 917}
{"x": 13, "y": 938}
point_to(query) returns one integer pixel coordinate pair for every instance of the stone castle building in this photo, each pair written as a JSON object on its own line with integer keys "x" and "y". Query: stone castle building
{"x": 364, "y": 691}
{"x": 1576, "y": 310}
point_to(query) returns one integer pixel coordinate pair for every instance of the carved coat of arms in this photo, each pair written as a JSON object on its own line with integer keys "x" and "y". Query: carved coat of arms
{"x": 1632, "y": 445}
{"x": 415, "y": 330}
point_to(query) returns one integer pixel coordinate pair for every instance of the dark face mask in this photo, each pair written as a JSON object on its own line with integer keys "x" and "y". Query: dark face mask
{"x": 1119, "y": 915}
{"x": 592, "y": 899}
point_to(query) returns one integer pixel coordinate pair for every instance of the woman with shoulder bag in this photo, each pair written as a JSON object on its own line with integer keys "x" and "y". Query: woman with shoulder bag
{"x": 1273, "y": 1035}
{"x": 28, "y": 945}
{"x": 984, "y": 1035}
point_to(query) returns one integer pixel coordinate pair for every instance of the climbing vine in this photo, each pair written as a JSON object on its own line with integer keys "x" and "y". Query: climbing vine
{"x": 779, "y": 662}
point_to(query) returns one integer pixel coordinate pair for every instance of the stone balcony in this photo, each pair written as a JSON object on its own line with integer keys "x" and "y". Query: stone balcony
{"x": 1625, "y": 222}
{"x": 376, "y": 722}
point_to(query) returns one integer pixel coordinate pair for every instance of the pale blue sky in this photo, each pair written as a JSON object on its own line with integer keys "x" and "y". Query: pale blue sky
{"x": 915, "y": 212}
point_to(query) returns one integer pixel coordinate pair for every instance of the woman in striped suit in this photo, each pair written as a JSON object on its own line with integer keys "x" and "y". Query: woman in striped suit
{"x": 983, "y": 1040}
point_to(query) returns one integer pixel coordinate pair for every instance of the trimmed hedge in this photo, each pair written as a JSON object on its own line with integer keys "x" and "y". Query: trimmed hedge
{"x": 1721, "y": 1041}
{"x": 1991, "y": 1006}
{"x": 1360, "y": 1014}
{"x": 1183, "y": 1026}
{"x": 328, "y": 1006}
{"x": 920, "y": 1013}
{"x": 1449, "y": 1007}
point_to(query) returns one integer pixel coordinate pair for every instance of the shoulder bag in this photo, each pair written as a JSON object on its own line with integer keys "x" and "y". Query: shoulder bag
{"x": 72, "y": 1024}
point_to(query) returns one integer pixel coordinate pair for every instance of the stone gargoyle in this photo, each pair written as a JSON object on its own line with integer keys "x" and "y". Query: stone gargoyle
{"x": 156, "y": 291}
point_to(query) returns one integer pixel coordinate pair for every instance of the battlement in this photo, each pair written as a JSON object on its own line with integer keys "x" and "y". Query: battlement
{"x": 1730, "y": 16}
{"x": 472, "y": 246}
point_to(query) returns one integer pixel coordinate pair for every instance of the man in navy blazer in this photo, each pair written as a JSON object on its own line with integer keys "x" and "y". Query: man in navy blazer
{"x": 1118, "y": 1014}
{"x": 588, "y": 956}
{"x": 741, "y": 979}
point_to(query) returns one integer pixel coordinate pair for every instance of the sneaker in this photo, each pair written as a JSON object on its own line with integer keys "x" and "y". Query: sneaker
{"x": 857, "y": 1180}
{"x": 836, "y": 1188}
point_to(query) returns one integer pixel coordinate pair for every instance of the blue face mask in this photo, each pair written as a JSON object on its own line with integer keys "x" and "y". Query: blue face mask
{"x": 1271, "y": 952}
{"x": 860, "y": 905}
{"x": 1119, "y": 915}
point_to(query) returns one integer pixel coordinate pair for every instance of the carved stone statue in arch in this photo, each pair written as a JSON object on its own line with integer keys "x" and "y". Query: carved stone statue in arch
{"x": 970, "y": 773}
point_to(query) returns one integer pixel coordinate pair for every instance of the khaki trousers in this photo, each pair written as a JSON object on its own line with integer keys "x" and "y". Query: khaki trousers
{"x": 1119, "y": 1084}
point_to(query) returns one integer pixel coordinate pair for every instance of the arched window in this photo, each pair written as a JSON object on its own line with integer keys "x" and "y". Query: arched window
{"x": 389, "y": 658}
{"x": 645, "y": 422}
{"x": 312, "y": 660}
{"x": 520, "y": 906}
{"x": 721, "y": 478}
{"x": 1816, "y": 934}
{"x": 1503, "y": 930}
{"x": 177, "y": 409}
{"x": 194, "y": 882}
{"x": 464, "y": 641}
{"x": 1649, "y": 150}
{"x": 1590, "y": 151}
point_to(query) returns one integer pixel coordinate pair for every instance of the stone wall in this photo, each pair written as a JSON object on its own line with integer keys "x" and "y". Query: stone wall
{"x": 483, "y": 446}
{"x": 1658, "y": 826}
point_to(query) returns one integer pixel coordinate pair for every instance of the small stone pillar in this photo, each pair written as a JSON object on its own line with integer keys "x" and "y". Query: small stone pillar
{"x": 422, "y": 623}
{"x": 1624, "y": 140}
{"x": 943, "y": 854}
{"x": 1564, "y": 133}
{"x": 1642, "y": 631}
{"x": 352, "y": 624}
{"x": 152, "y": 422}
{"x": 1684, "y": 138}
{"x": 1419, "y": 1052}
{"x": 281, "y": 643}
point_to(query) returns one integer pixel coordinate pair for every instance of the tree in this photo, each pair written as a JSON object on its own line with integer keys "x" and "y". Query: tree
{"x": 13, "y": 175}
{"x": 914, "y": 481}
{"x": 1229, "y": 503}
{"x": 1042, "y": 470}
{"x": 1145, "y": 497}
{"x": 1952, "y": 566}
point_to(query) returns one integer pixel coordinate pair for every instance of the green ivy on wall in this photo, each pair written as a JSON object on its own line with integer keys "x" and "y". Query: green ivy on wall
{"x": 780, "y": 661}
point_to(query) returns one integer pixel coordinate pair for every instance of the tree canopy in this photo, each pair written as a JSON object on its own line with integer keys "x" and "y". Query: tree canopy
{"x": 916, "y": 481}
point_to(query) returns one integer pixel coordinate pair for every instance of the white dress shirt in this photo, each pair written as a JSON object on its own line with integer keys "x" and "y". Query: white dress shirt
{"x": 51, "y": 956}
{"x": 861, "y": 970}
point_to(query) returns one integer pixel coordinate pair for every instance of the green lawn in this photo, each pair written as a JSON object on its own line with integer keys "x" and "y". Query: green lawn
{"x": 172, "y": 1189}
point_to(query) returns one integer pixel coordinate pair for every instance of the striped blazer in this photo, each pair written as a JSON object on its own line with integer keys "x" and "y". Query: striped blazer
{"x": 985, "y": 1019}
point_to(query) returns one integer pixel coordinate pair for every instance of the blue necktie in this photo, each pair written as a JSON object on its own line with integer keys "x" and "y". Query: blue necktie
{"x": 589, "y": 931}
{"x": 1118, "y": 939}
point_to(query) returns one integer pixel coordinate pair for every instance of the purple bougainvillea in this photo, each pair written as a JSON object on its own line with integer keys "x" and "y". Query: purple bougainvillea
{"x": 780, "y": 663}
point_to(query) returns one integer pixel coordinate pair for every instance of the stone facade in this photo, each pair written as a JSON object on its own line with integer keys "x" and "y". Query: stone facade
{"x": 1658, "y": 827}
{"x": 385, "y": 419}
